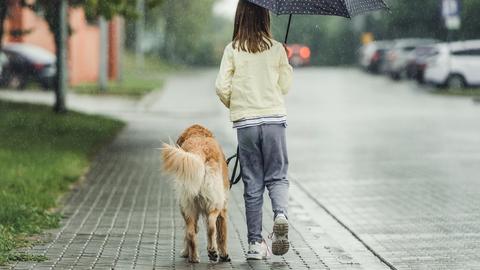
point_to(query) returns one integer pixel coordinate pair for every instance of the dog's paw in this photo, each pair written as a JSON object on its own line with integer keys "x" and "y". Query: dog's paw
{"x": 184, "y": 253}
{"x": 225, "y": 258}
{"x": 212, "y": 255}
{"x": 193, "y": 260}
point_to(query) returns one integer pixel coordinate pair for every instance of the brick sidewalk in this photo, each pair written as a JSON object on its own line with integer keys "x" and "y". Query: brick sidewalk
{"x": 124, "y": 215}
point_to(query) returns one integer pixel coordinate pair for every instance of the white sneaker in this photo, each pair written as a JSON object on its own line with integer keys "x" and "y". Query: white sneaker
{"x": 257, "y": 251}
{"x": 280, "y": 244}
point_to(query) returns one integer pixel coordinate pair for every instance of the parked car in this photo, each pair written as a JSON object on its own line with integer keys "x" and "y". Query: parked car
{"x": 372, "y": 55}
{"x": 28, "y": 63}
{"x": 397, "y": 57}
{"x": 417, "y": 62}
{"x": 298, "y": 55}
{"x": 455, "y": 65}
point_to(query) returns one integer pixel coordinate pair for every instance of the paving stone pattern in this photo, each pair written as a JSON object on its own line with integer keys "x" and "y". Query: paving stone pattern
{"x": 125, "y": 215}
{"x": 397, "y": 166}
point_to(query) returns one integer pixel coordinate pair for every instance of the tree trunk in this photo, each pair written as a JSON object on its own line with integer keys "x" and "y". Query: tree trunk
{"x": 139, "y": 33}
{"x": 3, "y": 16}
{"x": 121, "y": 51}
{"x": 103, "y": 68}
{"x": 61, "y": 38}
{"x": 170, "y": 26}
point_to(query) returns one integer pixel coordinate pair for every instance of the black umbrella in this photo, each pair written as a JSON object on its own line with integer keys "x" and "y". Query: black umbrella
{"x": 343, "y": 8}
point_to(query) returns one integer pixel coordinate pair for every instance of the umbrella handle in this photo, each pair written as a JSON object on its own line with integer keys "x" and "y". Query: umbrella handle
{"x": 288, "y": 28}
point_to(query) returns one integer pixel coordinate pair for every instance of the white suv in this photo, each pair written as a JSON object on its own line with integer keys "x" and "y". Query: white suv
{"x": 455, "y": 65}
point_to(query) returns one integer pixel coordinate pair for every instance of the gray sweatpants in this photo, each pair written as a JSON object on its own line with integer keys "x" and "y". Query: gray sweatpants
{"x": 264, "y": 163}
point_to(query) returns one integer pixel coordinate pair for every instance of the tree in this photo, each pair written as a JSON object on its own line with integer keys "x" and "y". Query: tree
{"x": 55, "y": 13}
{"x": 3, "y": 15}
{"x": 331, "y": 39}
{"x": 4, "y": 5}
{"x": 470, "y": 20}
{"x": 93, "y": 10}
{"x": 423, "y": 19}
{"x": 188, "y": 32}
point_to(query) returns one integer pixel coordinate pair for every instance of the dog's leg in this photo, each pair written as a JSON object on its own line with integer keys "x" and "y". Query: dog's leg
{"x": 212, "y": 235}
{"x": 184, "y": 253}
{"x": 222, "y": 236}
{"x": 191, "y": 238}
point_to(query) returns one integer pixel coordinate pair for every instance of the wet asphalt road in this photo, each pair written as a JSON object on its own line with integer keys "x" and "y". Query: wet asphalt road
{"x": 398, "y": 166}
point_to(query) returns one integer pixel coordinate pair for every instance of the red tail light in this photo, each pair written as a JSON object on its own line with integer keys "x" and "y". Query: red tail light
{"x": 305, "y": 53}
{"x": 376, "y": 57}
{"x": 38, "y": 66}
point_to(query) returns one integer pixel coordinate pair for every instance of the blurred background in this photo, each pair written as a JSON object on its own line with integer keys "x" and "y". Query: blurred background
{"x": 194, "y": 33}
{"x": 386, "y": 133}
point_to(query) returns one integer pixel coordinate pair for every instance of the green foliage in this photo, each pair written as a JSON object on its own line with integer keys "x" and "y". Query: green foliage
{"x": 41, "y": 155}
{"x": 191, "y": 35}
{"x": 470, "y": 20}
{"x": 188, "y": 31}
{"x": 471, "y": 92}
{"x": 331, "y": 39}
{"x": 408, "y": 19}
{"x": 108, "y": 9}
{"x": 7, "y": 243}
{"x": 25, "y": 257}
{"x": 93, "y": 9}
{"x": 423, "y": 19}
{"x": 3, "y": 15}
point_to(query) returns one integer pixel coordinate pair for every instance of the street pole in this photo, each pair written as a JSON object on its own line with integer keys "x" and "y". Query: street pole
{"x": 3, "y": 15}
{"x": 139, "y": 30}
{"x": 452, "y": 19}
{"x": 103, "y": 68}
{"x": 62, "y": 50}
{"x": 121, "y": 50}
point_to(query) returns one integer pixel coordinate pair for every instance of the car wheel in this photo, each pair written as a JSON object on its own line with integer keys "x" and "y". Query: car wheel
{"x": 419, "y": 77}
{"x": 395, "y": 76}
{"x": 16, "y": 82}
{"x": 456, "y": 81}
{"x": 45, "y": 85}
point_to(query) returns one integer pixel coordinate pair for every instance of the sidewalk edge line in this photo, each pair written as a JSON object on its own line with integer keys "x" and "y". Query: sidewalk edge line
{"x": 383, "y": 260}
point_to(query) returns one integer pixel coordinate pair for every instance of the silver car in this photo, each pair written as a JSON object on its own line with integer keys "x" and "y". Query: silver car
{"x": 372, "y": 56}
{"x": 398, "y": 56}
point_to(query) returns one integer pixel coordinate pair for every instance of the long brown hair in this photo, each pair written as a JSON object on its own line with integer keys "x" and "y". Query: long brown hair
{"x": 251, "y": 32}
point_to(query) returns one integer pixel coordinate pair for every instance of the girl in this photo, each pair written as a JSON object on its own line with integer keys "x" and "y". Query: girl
{"x": 254, "y": 76}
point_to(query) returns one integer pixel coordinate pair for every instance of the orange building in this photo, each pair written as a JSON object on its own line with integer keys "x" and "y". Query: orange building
{"x": 84, "y": 43}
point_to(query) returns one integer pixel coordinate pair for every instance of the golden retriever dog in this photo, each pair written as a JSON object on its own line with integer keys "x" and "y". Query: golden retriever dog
{"x": 198, "y": 165}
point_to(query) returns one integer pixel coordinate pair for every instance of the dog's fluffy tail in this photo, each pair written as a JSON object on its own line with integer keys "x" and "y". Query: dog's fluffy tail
{"x": 188, "y": 168}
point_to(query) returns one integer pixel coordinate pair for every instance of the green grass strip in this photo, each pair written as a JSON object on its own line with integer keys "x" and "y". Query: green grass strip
{"x": 41, "y": 155}
{"x": 470, "y": 92}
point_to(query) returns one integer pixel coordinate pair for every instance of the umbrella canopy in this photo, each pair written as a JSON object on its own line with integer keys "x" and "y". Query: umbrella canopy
{"x": 343, "y": 8}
